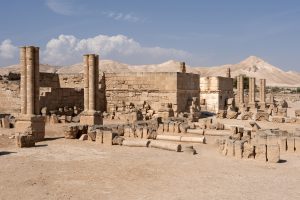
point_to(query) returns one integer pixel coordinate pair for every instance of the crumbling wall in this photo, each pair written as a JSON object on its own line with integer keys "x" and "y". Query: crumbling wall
{"x": 10, "y": 102}
{"x": 214, "y": 92}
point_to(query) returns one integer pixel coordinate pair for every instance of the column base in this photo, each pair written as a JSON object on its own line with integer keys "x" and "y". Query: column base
{"x": 35, "y": 124}
{"x": 91, "y": 118}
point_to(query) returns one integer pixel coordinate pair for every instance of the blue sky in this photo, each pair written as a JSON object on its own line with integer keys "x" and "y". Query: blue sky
{"x": 200, "y": 32}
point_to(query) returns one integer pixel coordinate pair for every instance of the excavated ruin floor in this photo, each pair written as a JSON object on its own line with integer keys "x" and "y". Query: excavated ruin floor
{"x": 70, "y": 169}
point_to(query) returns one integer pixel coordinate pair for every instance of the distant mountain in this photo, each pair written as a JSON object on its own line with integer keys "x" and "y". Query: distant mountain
{"x": 16, "y": 69}
{"x": 252, "y": 66}
{"x": 258, "y": 68}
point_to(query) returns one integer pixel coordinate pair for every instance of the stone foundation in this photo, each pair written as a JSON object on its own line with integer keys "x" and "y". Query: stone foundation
{"x": 34, "y": 124}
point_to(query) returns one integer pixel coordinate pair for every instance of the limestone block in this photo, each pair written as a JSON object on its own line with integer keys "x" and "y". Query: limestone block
{"x": 83, "y": 137}
{"x": 118, "y": 140}
{"x": 273, "y": 153}
{"x": 5, "y": 122}
{"x": 171, "y": 127}
{"x": 291, "y": 144}
{"x": 297, "y": 145}
{"x": 261, "y": 116}
{"x": 54, "y": 119}
{"x": 231, "y": 115}
{"x": 25, "y": 141}
{"x": 160, "y": 128}
{"x": 272, "y": 140}
{"x": 92, "y": 135}
{"x": 99, "y": 136}
{"x": 230, "y": 148}
{"x": 36, "y": 125}
{"x": 261, "y": 152}
{"x": 183, "y": 127}
{"x": 91, "y": 119}
{"x": 283, "y": 144}
{"x": 238, "y": 149}
{"x": 139, "y": 132}
{"x": 166, "y": 126}
{"x": 107, "y": 137}
{"x": 127, "y": 131}
{"x": 70, "y": 132}
{"x": 145, "y": 132}
{"x": 277, "y": 119}
{"x": 248, "y": 151}
{"x": 176, "y": 127}
{"x": 297, "y": 113}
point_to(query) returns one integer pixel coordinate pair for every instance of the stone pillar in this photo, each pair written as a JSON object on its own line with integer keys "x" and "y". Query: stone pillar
{"x": 91, "y": 115}
{"x": 29, "y": 120}
{"x": 30, "y": 79}
{"x": 86, "y": 81}
{"x": 92, "y": 87}
{"x": 23, "y": 87}
{"x": 241, "y": 89}
{"x": 262, "y": 94}
{"x": 228, "y": 73}
{"x": 251, "y": 90}
{"x": 182, "y": 67}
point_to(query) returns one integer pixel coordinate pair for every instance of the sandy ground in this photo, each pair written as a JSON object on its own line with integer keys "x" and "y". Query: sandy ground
{"x": 70, "y": 169}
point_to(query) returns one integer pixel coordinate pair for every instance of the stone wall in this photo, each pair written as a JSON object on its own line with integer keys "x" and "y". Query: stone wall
{"x": 154, "y": 88}
{"x": 10, "y": 102}
{"x": 214, "y": 91}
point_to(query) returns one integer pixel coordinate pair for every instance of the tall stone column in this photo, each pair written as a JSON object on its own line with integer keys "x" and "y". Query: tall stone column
{"x": 29, "y": 119}
{"x": 182, "y": 67}
{"x": 92, "y": 83}
{"x": 91, "y": 115}
{"x": 251, "y": 90}
{"x": 86, "y": 81}
{"x": 30, "y": 60}
{"x": 23, "y": 87}
{"x": 241, "y": 89}
{"x": 262, "y": 91}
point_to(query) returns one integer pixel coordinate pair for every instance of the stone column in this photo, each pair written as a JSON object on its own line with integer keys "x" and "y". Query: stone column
{"x": 228, "y": 73}
{"x": 251, "y": 90}
{"x": 92, "y": 79}
{"x": 241, "y": 89}
{"x": 23, "y": 87}
{"x": 36, "y": 81}
{"x": 182, "y": 67}
{"x": 30, "y": 60}
{"x": 30, "y": 120}
{"x": 91, "y": 116}
{"x": 86, "y": 82}
{"x": 262, "y": 90}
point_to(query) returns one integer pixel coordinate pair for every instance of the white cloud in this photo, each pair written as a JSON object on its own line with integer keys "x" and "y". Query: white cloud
{"x": 67, "y": 49}
{"x": 60, "y": 7}
{"x": 7, "y": 50}
{"x": 122, "y": 16}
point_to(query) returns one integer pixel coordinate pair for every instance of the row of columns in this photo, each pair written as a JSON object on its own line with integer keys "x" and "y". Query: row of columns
{"x": 240, "y": 90}
{"x": 30, "y": 77}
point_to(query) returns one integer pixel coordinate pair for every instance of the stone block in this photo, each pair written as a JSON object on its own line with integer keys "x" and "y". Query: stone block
{"x": 145, "y": 132}
{"x": 277, "y": 119}
{"x": 139, "y": 132}
{"x": 91, "y": 118}
{"x": 230, "y": 148}
{"x": 36, "y": 125}
{"x": 25, "y": 141}
{"x": 297, "y": 145}
{"x": 70, "y": 132}
{"x": 261, "y": 152}
{"x": 83, "y": 137}
{"x": 248, "y": 151}
{"x": 54, "y": 119}
{"x": 261, "y": 116}
{"x": 160, "y": 128}
{"x": 99, "y": 136}
{"x": 272, "y": 140}
{"x": 5, "y": 122}
{"x": 92, "y": 135}
{"x": 291, "y": 144}
{"x": 273, "y": 153}
{"x": 166, "y": 126}
{"x": 107, "y": 137}
{"x": 176, "y": 127}
{"x": 238, "y": 149}
{"x": 283, "y": 144}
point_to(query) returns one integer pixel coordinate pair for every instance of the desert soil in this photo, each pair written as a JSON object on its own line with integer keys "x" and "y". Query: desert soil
{"x": 71, "y": 169}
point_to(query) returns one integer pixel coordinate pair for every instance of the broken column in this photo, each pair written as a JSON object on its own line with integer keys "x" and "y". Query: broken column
{"x": 251, "y": 101}
{"x": 262, "y": 93}
{"x": 91, "y": 115}
{"x": 182, "y": 67}
{"x": 30, "y": 118}
{"x": 228, "y": 73}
